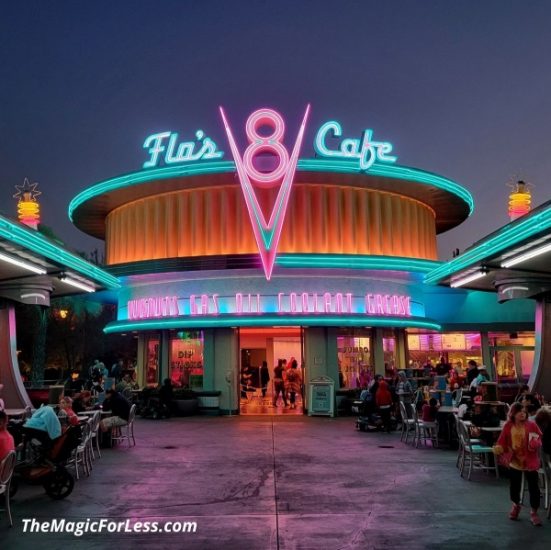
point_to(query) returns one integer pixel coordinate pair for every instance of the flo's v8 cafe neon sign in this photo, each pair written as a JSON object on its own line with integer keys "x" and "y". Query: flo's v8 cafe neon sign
{"x": 166, "y": 147}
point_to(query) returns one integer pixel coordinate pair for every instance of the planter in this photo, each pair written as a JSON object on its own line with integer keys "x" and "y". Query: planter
{"x": 186, "y": 407}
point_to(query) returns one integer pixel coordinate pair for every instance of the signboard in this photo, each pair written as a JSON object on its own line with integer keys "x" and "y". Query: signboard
{"x": 166, "y": 148}
{"x": 321, "y": 400}
{"x": 303, "y": 303}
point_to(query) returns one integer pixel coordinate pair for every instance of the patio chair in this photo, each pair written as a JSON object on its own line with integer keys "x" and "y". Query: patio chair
{"x": 94, "y": 434}
{"x": 6, "y": 472}
{"x": 408, "y": 424}
{"x": 120, "y": 433}
{"x": 477, "y": 455}
{"x": 82, "y": 454}
{"x": 544, "y": 474}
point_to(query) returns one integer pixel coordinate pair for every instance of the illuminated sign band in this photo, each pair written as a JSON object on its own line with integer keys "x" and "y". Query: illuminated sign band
{"x": 304, "y": 303}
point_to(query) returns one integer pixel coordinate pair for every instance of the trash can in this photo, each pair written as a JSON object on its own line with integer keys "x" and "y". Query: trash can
{"x": 321, "y": 393}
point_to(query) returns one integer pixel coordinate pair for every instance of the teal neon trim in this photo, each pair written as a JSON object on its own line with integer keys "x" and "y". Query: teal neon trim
{"x": 271, "y": 320}
{"x": 310, "y": 165}
{"x": 36, "y": 242}
{"x": 509, "y": 235}
{"x": 389, "y": 171}
{"x": 344, "y": 261}
{"x": 144, "y": 176}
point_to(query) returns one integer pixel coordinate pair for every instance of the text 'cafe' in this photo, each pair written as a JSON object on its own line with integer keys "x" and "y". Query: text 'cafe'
{"x": 313, "y": 248}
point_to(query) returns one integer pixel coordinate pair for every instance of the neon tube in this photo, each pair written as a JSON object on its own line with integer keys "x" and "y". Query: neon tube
{"x": 526, "y": 256}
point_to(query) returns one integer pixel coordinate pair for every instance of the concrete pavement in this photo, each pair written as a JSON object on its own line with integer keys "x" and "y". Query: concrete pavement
{"x": 279, "y": 483}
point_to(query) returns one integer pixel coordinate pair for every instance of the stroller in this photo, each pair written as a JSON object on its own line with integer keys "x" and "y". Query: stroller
{"x": 369, "y": 420}
{"x": 40, "y": 464}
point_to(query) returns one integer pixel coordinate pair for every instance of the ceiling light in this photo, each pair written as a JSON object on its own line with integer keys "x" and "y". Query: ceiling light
{"x": 526, "y": 256}
{"x": 21, "y": 263}
{"x": 467, "y": 279}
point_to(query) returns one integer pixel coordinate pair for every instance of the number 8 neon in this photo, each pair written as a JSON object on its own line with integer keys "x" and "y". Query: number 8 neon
{"x": 272, "y": 143}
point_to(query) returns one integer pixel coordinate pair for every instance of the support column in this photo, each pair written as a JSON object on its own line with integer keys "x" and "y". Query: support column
{"x": 487, "y": 356}
{"x": 401, "y": 349}
{"x": 378, "y": 351}
{"x": 226, "y": 368}
{"x": 14, "y": 394}
{"x": 540, "y": 379}
{"x": 164, "y": 356}
{"x": 208, "y": 360}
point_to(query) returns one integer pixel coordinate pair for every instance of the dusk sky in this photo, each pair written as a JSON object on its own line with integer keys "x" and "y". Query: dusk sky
{"x": 462, "y": 89}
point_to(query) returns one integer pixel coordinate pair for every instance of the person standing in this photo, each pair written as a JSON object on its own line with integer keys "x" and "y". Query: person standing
{"x": 472, "y": 371}
{"x": 264, "y": 377}
{"x": 279, "y": 384}
{"x": 383, "y": 400}
{"x": 518, "y": 447}
{"x": 294, "y": 383}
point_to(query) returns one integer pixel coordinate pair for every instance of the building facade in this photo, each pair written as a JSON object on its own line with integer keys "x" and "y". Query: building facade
{"x": 269, "y": 252}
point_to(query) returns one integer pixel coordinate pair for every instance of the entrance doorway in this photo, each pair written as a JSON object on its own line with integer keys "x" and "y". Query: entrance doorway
{"x": 257, "y": 387}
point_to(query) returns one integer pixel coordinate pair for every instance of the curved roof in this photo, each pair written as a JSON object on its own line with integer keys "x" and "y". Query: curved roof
{"x": 451, "y": 203}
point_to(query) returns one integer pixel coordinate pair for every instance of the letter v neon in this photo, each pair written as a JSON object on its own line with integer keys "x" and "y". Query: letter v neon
{"x": 267, "y": 234}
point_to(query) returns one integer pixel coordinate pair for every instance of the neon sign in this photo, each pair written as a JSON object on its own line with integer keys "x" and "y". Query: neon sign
{"x": 365, "y": 149}
{"x": 167, "y": 143}
{"x": 267, "y": 233}
{"x": 293, "y": 303}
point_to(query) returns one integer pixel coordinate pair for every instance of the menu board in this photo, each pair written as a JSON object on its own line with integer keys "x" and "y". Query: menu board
{"x": 453, "y": 342}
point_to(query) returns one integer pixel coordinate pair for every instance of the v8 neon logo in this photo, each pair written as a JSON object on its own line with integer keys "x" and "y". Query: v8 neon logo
{"x": 267, "y": 234}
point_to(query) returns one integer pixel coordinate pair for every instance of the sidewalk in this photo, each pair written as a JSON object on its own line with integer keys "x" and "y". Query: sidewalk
{"x": 279, "y": 483}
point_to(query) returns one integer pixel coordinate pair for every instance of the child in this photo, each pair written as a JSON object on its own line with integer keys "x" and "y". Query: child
{"x": 6, "y": 439}
{"x": 66, "y": 414}
{"x": 518, "y": 448}
{"x": 429, "y": 410}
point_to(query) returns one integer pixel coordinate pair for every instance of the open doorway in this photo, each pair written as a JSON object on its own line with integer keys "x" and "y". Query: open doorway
{"x": 259, "y": 384}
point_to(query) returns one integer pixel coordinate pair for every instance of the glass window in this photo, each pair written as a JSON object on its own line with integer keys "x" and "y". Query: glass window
{"x": 354, "y": 358}
{"x": 152, "y": 361}
{"x": 186, "y": 359}
{"x": 453, "y": 348}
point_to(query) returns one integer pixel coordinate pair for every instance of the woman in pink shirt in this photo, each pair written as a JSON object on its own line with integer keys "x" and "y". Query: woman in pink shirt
{"x": 6, "y": 439}
{"x": 518, "y": 447}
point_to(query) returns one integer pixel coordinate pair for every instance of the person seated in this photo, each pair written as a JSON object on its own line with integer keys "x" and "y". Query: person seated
{"x": 430, "y": 410}
{"x": 528, "y": 400}
{"x": 120, "y": 409}
{"x": 125, "y": 386}
{"x": 6, "y": 439}
{"x": 43, "y": 425}
{"x": 67, "y": 416}
{"x": 543, "y": 420}
{"x": 82, "y": 401}
{"x": 383, "y": 400}
{"x": 166, "y": 394}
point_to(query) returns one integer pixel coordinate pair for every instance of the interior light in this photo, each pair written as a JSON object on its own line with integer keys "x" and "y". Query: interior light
{"x": 77, "y": 284}
{"x": 467, "y": 279}
{"x": 526, "y": 256}
{"x": 21, "y": 263}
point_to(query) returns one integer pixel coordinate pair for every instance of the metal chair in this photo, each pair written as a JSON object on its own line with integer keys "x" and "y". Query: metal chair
{"x": 94, "y": 434}
{"x": 117, "y": 433}
{"x": 408, "y": 424}
{"x": 82, "y": 454}
{"x": 544, "y": 474}
{"x": 6, "y": 472}
{"x": 476, "y": 454}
